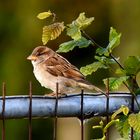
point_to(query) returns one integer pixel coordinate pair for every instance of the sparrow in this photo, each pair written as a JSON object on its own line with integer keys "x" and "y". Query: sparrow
{"x": 50, "y": 68}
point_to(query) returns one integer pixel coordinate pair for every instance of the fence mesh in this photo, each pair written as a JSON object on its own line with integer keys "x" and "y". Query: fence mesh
{"x": 82, "y": 105}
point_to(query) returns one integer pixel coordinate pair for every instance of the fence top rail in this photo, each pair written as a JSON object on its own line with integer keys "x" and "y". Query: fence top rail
{"x": 68, "y": 106}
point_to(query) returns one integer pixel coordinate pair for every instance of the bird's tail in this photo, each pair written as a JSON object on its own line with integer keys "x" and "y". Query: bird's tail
{"x": 90, "y": 87}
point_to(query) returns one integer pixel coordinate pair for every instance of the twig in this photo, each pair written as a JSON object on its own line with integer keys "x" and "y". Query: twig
{"x": 93, "y": 42}
{"x": 111, "y": 55}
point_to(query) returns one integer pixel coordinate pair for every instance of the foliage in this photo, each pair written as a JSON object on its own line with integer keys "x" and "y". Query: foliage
{"x": 134, "y": 120}
{"x": 52, "y": 31}
{"x": 70, "y": 45}
{"x": 132, "y": 65}
{"x": 89, "y": 69}
{"x": 44, "y": 15}
{"x": 114, "y": 82}
{"x": 114, "y": 41}
{"x": 114, "y": 120}
{"x": 123, "y": 74}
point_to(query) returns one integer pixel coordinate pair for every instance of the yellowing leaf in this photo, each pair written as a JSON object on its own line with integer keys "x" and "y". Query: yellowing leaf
{"x": 125, "y": 128}
{"x": 57, "y": 28}
{"x": 82, "y": 21}
{"x": 101, "y": 123}
{"x": 46, "y": 35}
{"x": 52, "y": 31}
{"x": 123, "y": 109}
{"x": 44, "y": 15}
{"x": 134, "y": 121}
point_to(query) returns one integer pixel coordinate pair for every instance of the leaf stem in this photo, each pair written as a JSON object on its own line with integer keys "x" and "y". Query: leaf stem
{"x": 111, "y": 55}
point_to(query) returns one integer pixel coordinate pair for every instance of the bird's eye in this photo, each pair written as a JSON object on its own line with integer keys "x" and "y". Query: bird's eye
{"x": 40, "y": 53}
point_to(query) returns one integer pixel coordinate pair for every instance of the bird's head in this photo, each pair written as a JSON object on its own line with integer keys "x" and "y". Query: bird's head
{"x": 40, "y": 54}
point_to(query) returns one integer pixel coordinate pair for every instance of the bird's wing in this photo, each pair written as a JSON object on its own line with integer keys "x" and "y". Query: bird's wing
{"x": 59, "y": 66}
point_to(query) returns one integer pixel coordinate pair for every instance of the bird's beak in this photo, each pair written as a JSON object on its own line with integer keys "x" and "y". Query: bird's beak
{"x": 32, "y": 58}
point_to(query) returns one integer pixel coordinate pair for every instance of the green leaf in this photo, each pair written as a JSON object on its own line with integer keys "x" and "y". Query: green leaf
{"x": 126, "y": 129}
{"x": 137, "y": 92}
{"x": 112, "y": 34}
{"x": 134, "y": 121}
{"x": 66, "y": 46}
{"x": 106, "y": 60}
{"x": 52, "y": 31}
{"x": 132, "y": 65}
{"x": 83, "y": 42}
{"x": 114, "y": 39}
{"x": 120, "y": 71}
{"x": 115, "y": 83}
{"x": 73, "y": 31}
{"x": 89, "y": 69}
{"x": 70, "y": 45}
{"x": 101, "y": 51}
{"x": 82, "y": 21}
{"x": 136, "y": 136}
{"x": 123, "y": 126}
{"x": 44, "y": 15}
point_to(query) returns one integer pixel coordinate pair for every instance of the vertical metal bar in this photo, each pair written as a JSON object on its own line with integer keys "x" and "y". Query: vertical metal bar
{"x": 3, "y": 110}
{"x": 107, "y": 108}
{"x": 82, "y": 115}
{"x": 56, "y": 119}
{"x": 132, "y": 108}
{"x": 30, "y": 110}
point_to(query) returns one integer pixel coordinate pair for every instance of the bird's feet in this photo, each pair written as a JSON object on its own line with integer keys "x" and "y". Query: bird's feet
{"x": 53, "y": 94}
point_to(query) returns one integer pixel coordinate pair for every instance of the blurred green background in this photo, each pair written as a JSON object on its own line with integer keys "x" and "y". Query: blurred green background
{"x": 20, "y": 32}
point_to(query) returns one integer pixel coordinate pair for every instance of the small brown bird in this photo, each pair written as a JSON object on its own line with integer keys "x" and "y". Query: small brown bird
{"x": 51, "y": 68}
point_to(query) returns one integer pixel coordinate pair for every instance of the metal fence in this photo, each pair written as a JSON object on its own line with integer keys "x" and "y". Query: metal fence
{"x": 82, "y": 105}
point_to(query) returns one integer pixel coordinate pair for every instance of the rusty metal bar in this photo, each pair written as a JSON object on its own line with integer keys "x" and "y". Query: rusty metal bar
{"x": 132, "y": 109}
{"x": 69, "y": 106}
{"x": 82, "y": 115}
{"x": 30, "y": 111}
{"x": 56, "y": 109}
{"x": 107, "y": 108}
{"x": 3, "y": 110}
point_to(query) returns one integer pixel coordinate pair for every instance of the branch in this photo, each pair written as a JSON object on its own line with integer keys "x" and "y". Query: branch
{"x": 69, "y": 106}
